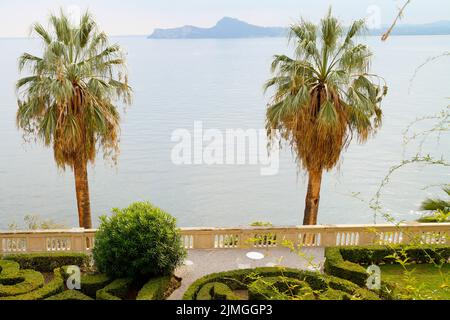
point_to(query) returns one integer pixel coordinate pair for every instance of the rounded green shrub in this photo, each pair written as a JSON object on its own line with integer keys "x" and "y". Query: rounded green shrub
{"x": 141, "y": 240}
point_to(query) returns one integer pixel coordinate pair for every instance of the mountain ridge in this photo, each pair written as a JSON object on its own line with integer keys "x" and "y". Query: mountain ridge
{"x": 226, "y": 27}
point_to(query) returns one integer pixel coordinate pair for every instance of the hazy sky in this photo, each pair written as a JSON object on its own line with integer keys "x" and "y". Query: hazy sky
{"x": 118, "y": 17}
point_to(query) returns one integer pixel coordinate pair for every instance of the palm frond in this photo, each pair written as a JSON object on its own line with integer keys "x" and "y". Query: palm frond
{"x": 323, "y": 94}
{"x": 67, "y": 100}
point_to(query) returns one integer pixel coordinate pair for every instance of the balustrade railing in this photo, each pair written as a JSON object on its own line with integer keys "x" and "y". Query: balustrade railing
{"x": 80, "y": 240}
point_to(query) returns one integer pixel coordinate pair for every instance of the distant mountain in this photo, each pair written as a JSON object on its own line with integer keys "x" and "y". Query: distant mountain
{"x": 225, "y": 28}
{"x": 434, "y": 28}
{"x": 234, "y": 28}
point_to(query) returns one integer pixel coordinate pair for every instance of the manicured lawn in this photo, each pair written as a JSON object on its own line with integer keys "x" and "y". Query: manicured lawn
{"x": 432, "y": 281}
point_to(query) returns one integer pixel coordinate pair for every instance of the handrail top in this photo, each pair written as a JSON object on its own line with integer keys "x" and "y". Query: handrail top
{"x": 47, "y": 231}
{"x": 323, "y": 226}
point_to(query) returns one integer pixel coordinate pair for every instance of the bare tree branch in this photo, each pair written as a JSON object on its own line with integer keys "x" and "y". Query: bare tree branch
{"x": 386, "y": 35}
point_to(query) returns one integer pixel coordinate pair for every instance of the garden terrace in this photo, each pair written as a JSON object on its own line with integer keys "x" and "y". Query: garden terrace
{"x": 226, "y": 249}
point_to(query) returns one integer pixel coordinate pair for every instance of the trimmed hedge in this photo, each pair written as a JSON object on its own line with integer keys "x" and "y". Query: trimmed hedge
{"x": 50, "y": 289}
{"x": 70, "y": 295}
{"x": 335, "y": 265}
{"x": 221, "y": 291}
{"x": 383, "y": 254}
{"x": 47, "y": 262}
{"x": 8, "y": 267}
{"x": 155, "y": 289}
{"x": 346, "y": 263}
{"x": 237, "y": 279}
{"x": 279, "y": 288}
{"x": 116, "y": 290}
{"x": 340, "y": 284}
{"x": 14, "y": 282}
{"x": 351, "y": 290}
{"x": 204, "y": 288}
{"x": 331, "y": 294}
{"x": 91, "y": 283}
{"x": 205, "y": 293}
{"x": 216, "y": 291}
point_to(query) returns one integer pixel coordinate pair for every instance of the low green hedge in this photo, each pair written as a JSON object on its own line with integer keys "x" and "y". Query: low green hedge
{"x": 47, "y": 262}
{"x": 91, "y": 283}
{"x": 70, "y": 295}
{"x": 331, "y": 294}
{"x": 282, "y": 279}
{"x": 116, "y": 290}
{"x": 221, "y": 291}
{"x": 340, "y": 284}
{"x": 30, "y": 280}
{"x": 9, "y": 273}
{"x": 8, "y": 267}
{"x": 279, "y": 288}
{"x": 14, "y": 282}
{"x": 351, "y": 289}
{"x": 346, "y": 263}
{"x": 155, "y": 289}
{"x": 205, "y": 292}
{"x": 216, "y": 291}
{"x": 335, "y": 265}
{"x": 383, "y": 254}
{"x": 236, "y": 279}
{"x": 55, "y": 286}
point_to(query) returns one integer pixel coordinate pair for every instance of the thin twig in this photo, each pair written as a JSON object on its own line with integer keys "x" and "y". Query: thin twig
{"x": 386, "y": 35}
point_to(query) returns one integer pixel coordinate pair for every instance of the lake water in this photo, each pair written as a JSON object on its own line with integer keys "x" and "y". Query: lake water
{"x": 219, "y": 82}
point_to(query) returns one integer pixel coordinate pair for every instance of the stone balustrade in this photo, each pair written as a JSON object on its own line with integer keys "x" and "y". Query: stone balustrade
{"x": 80, "y": 240}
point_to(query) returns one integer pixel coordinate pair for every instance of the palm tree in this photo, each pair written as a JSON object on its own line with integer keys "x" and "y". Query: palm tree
{"x": 440, "y": 209}
{"x": 67, "y": 101}
{"x": 437, "y": 204}
{"x": 324, "y": 96}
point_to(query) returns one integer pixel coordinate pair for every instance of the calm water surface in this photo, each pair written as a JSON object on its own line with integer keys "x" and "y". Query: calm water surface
{"x": 219, "y": 82}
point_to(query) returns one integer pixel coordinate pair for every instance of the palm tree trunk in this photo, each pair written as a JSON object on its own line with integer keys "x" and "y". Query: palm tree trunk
{"x": 82, "y": 190}
{"x": 312, "y": 198}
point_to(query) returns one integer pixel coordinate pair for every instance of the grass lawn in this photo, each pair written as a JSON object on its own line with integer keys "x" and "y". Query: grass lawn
{"x": 431, "y": 280}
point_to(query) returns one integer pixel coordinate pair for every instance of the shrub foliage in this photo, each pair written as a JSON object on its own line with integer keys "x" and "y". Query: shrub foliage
{"x": 138, "y": 241}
